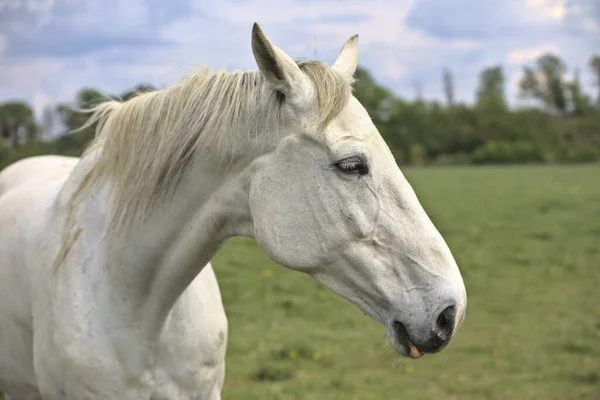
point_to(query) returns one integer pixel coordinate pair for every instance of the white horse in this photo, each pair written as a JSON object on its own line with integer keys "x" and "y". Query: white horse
{"x": 105, "y": 287}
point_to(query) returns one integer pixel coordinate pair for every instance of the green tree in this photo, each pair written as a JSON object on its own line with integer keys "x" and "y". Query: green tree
{"x": 17, "y": 122}
{"x": 369, "y": 92}
{"x": 72, "y": 115}
{"x": 490, "y": 91}
{"x": 546, "y": 84}
{"x": 448, "y": 84}
{"x": 595, "y": 69}
{"x": 580, "y": 103}
{"x": 73, "y": 118}
{"x": 141, "y": 88}
{"x": 374, "y": 97}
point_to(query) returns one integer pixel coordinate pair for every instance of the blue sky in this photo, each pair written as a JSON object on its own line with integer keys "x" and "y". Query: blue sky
{"x": 51, "y": 48}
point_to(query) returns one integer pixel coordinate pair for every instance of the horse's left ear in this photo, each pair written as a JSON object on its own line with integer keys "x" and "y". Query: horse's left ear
{"x": 347, "y": 61}
{"x": 276, "y": 66}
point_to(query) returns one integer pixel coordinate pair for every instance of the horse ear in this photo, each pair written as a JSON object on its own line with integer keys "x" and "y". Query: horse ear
{"x": 347, "y": 61}
{"x": 277, "y": 67}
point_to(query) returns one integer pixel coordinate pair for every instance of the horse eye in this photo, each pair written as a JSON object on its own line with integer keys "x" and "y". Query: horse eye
{"x": 353, "y": 165}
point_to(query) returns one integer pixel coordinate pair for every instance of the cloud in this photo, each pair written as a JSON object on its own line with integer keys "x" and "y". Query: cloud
{"x": 549, "y": 9}
{"x": 524, "y": 55}
{"x": 74, "y": 44}
{"x": 21, "y": 79}
{"x": 56, "y": 47}
{"x": 24, "y": 16}
{"x": 584, "y": 15}
{"x": 460, "y": 19}
{"x": 334, "y": 19}
{"x": 304, "y": 30}
{"x": 40, "y": 101}
{"x": 65, "y": 28}
{"x": 3, "y": 43}
{"x": 512, "y": 32}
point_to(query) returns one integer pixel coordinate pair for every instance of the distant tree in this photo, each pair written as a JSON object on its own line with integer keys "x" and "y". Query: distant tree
{"x": 546, "y": 84}
{"x": 373, "y": 96}
{"x": 72, "y": 115}
{"x": 490, "y": 92}
{"x": 141, "y": 88}
{"x": 17, "y": 122}
{"x": 580, "y": 103}
{"x": 417, "y": 132}
{"x": 595, "y": 68}
{"x": 448, "y": 83}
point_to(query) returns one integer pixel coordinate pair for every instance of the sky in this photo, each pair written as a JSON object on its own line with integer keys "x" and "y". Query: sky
{"x": 51, "y": 48}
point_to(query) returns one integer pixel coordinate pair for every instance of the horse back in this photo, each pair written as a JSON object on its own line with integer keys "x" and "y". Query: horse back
{"x": 35, "y": 169}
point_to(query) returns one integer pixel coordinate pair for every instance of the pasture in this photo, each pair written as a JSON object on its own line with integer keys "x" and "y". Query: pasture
{"x": 527, "y": 240}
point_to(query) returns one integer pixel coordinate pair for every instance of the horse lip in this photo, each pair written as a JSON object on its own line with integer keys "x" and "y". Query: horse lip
{"x": 403, "y": 339}
{"x": 414, "y": 353}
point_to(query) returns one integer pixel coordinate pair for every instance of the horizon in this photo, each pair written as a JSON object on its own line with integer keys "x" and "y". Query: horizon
{"x": 49, "y": 49}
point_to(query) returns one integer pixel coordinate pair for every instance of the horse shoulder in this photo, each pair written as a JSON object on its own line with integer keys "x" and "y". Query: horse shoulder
{"x": 26, "y": 190}
{"x": 193, "y": 342}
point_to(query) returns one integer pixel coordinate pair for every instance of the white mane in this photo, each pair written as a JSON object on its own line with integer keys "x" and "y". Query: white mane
{"x": 146, "y": 143}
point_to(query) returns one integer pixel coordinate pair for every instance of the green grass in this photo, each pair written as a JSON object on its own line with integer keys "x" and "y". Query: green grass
{"x": 527, "y": 240}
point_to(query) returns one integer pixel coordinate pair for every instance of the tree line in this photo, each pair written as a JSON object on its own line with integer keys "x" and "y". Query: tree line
{"x": 562, "y": 126}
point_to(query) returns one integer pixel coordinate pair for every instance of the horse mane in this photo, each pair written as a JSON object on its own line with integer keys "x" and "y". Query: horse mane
{"x": 146, "y": 144}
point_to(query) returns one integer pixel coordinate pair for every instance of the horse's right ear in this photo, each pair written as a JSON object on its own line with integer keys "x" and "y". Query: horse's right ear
{"x": 277, "y": 67}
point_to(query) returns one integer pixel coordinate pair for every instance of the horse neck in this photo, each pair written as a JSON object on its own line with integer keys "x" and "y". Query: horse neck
{"x": 147, "y": 267}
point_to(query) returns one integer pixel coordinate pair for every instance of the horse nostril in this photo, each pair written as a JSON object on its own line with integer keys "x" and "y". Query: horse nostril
{"x": 401, "y": 333}
{"x": 445, "y": 322}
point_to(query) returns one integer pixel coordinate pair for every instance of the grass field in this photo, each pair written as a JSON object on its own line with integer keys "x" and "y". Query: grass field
{"x": 527, "y": 240}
